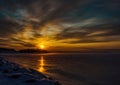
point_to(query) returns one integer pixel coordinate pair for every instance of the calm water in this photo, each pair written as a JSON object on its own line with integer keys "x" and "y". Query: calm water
{"x": 74, "y": 68}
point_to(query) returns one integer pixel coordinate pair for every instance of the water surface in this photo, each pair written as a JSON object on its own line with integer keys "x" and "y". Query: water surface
{"x": 74, "y": 68}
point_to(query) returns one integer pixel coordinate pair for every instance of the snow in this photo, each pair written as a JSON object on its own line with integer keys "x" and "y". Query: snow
{"x": 14, "y": 74}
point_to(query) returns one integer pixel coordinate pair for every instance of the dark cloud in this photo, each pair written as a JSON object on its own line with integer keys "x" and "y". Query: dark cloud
{"x": 7, "y": 27}
{"x": 69, "y": 35}
{"x": 108, "y": 30}
{"x": 22, "y": 42}
{"x": 26, "y": 44}
{"x": 105, "y": 33}
{"x": 87, "y": 21}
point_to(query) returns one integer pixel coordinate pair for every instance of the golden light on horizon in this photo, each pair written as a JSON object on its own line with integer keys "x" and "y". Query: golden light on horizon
{"x": 42, "y": 46}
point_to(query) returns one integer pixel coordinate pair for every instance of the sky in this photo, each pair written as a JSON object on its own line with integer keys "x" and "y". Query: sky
{"x": 60, "y": 24}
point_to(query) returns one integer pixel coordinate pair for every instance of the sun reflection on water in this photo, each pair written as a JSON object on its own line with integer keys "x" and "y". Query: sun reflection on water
{"x": 41, "y": 65}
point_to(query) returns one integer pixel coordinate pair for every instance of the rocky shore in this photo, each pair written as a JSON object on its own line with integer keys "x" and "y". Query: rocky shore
{"x": 14, "y": 74}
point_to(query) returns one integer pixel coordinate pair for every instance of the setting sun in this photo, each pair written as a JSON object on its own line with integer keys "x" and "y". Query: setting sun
{"x": 42, "y": 46}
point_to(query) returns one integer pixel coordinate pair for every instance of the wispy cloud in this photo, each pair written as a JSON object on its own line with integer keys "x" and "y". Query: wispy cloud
{"x": 28, "y": 22}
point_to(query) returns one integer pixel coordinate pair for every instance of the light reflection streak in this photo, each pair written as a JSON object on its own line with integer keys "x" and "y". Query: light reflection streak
{"x": 41, "y": 65}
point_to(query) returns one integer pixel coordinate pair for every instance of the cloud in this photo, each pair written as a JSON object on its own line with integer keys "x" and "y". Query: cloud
{"x": 94, "y": 34}
{"x": 87, "y": 21}
{"x": 7, "y": 27}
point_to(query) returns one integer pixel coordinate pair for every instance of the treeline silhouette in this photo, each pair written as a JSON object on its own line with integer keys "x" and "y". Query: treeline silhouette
{"x": 8, "y": 50}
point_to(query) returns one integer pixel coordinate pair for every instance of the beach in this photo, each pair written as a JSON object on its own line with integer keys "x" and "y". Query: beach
{"x": 14, "y": 74}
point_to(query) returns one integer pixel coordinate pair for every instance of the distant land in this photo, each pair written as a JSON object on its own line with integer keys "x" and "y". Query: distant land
{"x": 10, "y": 50}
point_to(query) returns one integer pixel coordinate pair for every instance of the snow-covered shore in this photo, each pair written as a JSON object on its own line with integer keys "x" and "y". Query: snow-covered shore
{"x": 14, "y": 74}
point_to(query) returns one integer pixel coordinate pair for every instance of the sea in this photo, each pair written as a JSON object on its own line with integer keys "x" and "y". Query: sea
{"x": 73, "y": 68}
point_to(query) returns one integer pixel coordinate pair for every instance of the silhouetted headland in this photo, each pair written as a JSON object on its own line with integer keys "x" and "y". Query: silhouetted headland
{"x": 32, "y": 51}
{"x": 9, "y": 50}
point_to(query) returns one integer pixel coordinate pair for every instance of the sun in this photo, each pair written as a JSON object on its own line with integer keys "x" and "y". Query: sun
{"x": 42, "y": 46}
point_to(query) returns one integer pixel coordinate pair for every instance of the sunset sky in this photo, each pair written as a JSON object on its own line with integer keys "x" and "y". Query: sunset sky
{"x": 60, "y": 24}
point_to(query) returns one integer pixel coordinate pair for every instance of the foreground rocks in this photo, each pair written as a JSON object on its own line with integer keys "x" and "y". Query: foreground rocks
{"x": 14, "y": 74}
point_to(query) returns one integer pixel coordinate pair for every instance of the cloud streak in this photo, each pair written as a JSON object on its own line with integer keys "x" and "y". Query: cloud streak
{"x": 29, "y": 22}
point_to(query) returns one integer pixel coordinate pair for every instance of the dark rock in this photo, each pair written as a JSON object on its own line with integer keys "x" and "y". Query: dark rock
{"x": 57, "y": 83}
{"x": 5, "y": 71}
{"x": 1, "y": 63}
{"x": 15, "y": 69}
{"x": 30, "y": 80}
{"x": 50, "y": 78}
{"x": 15, "y": 75}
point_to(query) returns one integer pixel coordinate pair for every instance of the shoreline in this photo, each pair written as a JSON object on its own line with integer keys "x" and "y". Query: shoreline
{"x": 14, "y": 74}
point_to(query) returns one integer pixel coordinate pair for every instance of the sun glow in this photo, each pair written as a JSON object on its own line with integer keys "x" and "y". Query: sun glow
{"x": 42, "y": 46}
